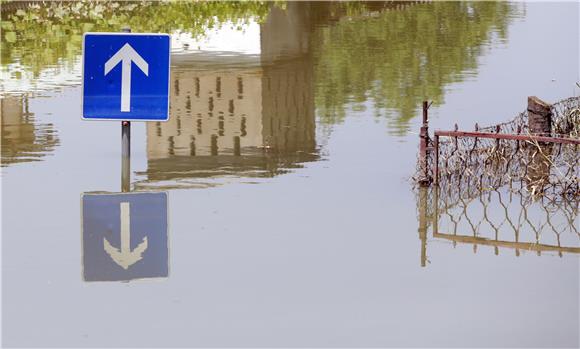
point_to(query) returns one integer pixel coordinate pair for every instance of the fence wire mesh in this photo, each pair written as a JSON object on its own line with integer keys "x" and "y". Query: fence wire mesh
{"x": 565, "y": 121}
{"x": 548, "y": 168}
{"x": 497, "y": 219}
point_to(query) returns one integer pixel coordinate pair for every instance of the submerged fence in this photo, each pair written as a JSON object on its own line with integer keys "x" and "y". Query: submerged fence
{"x": 536, "y": 153}
{"x": 513, "y": 185}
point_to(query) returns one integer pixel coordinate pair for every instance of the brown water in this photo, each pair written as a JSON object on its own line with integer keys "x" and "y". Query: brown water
{"x": 286, "y": 163}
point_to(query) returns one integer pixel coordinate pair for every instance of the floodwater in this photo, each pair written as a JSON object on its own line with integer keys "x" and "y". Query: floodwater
{"x": 274, "y": 208}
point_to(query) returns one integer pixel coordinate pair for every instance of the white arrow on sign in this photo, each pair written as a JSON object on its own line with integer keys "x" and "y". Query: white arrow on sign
{"x": 125, "y": 257}
{"x": 126, "y": 55}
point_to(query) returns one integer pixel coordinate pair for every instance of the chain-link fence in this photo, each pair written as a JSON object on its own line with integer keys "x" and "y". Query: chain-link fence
{"x": 503, "y": 186}
{"x": 565, "y": 121}
{"x": 508, "y": 154}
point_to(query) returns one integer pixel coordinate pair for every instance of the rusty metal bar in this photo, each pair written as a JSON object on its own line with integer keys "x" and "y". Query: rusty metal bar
{"x": 529, "y": 246}
{"x": 514, "y": 137}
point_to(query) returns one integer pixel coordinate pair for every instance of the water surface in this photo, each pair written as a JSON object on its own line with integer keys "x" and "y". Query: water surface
{"x": 286, "y": 162}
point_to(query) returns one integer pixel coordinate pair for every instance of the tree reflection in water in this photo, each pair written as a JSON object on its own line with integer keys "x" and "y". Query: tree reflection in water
{"x": 391, "y": 54}
{"x": 399, "y": 57}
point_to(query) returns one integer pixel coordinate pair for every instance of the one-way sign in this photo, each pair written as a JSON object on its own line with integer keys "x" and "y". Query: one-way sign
{"x": 126, "y": 76}
{"x": 124, "y": 236}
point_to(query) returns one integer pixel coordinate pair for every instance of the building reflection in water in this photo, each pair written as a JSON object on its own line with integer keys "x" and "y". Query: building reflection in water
{"x": 232, "y": 119}
{"x": 23, "y": 138}
{"x": 499, "y": 220}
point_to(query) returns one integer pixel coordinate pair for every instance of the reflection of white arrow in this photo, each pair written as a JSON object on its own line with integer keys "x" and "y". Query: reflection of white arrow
{"x": 125, "y": 258}
{"x": 126, "y": 55}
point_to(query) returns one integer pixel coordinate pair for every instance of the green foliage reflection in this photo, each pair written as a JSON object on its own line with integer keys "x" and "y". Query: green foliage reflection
{"x": 399, "y": 58}
{"x": 44, "y": 34}
{"x": 362, "y": 51}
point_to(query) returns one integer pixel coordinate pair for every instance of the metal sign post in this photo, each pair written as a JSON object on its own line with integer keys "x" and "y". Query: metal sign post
{"x": 126, "y": 147}
{"x": 126, "y": 78}
{"x": 126, "y": 156}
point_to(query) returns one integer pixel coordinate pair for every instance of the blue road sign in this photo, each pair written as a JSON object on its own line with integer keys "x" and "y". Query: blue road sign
{"x": 126, "y": 76}
{"x": 124, "y": 236}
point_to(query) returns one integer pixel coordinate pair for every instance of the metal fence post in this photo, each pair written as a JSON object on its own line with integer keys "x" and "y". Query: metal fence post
{"x": 423, "y": 222}
{"x": 424, "y": 140}
{"x": 436, "y": 150}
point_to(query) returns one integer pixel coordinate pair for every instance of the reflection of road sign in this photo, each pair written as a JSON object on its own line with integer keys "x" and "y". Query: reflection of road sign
{"x": 124, "y": 236}
{"x": 113, "y": 89}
